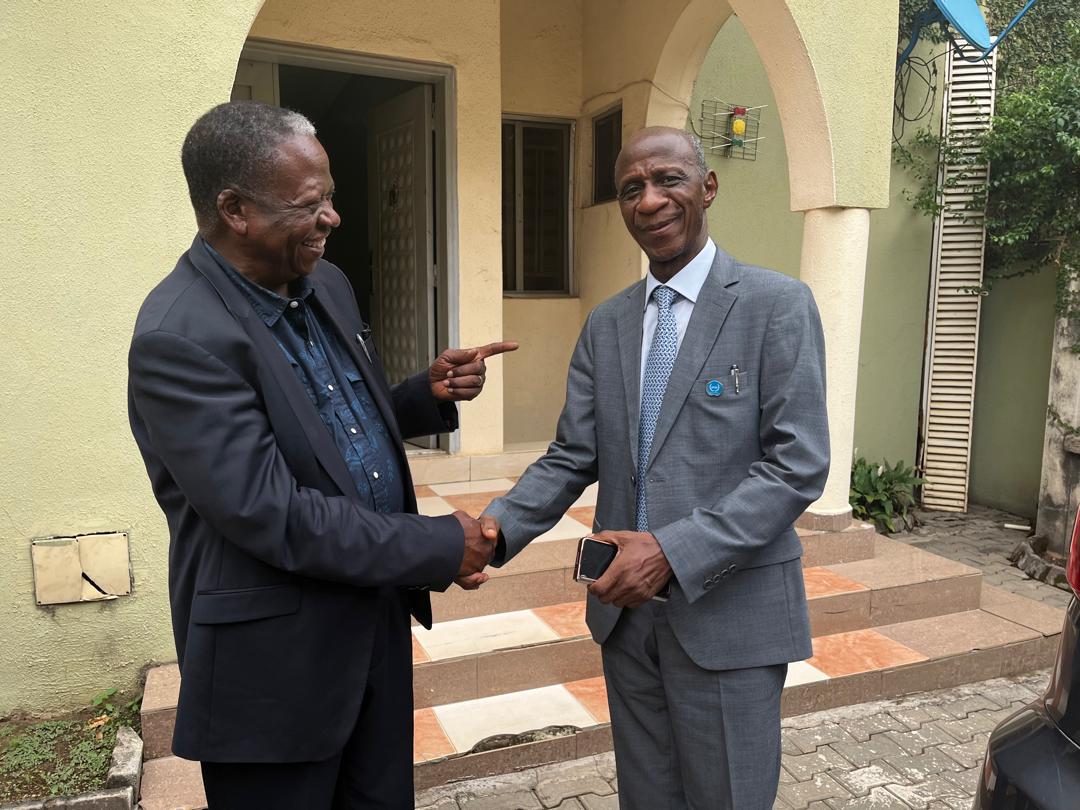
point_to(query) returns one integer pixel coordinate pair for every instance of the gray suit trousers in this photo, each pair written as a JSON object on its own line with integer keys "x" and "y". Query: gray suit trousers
{"x": 688, "y": 738}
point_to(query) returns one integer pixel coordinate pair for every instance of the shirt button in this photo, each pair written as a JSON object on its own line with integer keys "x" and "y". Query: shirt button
{"x": 329, "y": 388}
{"x": 375, "y": 474}
{"x": 352, "y": 430}
{"x": 294, "y": 304}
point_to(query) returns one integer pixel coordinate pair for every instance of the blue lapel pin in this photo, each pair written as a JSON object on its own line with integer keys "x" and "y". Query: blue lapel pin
{"x": 714, "y": 388}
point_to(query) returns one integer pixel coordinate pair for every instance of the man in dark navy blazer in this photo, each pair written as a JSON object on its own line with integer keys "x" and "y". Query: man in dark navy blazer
{"x": 274, "y": 447}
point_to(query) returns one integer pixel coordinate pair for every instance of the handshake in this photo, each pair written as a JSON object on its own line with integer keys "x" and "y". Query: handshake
{"x": 481, "y": 538}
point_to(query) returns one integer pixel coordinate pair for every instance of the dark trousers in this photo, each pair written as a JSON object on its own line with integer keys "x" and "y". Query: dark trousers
{"x": 373, "y": 770}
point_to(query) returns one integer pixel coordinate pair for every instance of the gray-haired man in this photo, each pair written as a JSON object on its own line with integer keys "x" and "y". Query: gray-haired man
{"x": 696, "y": 398}
{"x": 274, "y": 447}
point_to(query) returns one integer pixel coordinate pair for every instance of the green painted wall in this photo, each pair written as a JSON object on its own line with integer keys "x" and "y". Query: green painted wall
{"x": 1011, "y": 387}
{"x": 752, "y": 220}
{"x": 893, "y": 329}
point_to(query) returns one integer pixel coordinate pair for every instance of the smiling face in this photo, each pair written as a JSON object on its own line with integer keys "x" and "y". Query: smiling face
{"x": 287, "y": 223}
{"x": 663, "y": 196}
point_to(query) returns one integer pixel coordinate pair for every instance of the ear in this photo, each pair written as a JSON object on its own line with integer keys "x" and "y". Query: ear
{"x": 711, "y": 184}
{"x": 232, "y": 211}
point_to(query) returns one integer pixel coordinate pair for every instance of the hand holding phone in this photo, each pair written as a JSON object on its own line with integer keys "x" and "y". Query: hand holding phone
{"x": 627, "y": 584}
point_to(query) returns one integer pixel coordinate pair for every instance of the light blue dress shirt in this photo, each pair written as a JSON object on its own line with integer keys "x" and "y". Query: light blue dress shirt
{"x": 687, "y": 283}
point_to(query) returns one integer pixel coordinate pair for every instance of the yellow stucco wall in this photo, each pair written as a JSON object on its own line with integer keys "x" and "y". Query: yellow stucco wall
{"x": 96, "y": 99}
{"x": 99, "y": 96}
{"x": 541, "y": 75}
{"x": 96, "y": 212}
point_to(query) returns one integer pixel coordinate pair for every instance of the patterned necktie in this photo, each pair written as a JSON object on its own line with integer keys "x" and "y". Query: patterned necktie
{"x": 665, "y": 344}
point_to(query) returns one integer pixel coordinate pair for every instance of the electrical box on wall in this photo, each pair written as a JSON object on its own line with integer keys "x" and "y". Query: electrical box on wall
{"x": 83, "y": 568}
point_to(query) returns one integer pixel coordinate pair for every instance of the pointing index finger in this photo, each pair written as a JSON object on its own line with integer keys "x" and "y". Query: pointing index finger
{"x": 496, "y": 348}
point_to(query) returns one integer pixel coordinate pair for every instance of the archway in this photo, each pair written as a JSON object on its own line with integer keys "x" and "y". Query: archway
{"x": 833, "y": 180}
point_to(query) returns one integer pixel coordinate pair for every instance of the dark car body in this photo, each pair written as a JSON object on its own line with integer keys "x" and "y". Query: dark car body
{"x": 1033, "y": 757}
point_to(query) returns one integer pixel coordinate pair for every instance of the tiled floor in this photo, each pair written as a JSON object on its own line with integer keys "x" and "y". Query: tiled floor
{"x": 824, "y": 582}
{"x": 470, "y": 721}
{"x": 457, "y": 727}
{"x": 847, "y": 663}
{"x": 498, "y": 631}
{"x": 859, "y": 651}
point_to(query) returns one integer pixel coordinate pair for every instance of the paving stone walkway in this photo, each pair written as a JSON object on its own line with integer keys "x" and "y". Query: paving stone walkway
{"x": 919, "y": 752}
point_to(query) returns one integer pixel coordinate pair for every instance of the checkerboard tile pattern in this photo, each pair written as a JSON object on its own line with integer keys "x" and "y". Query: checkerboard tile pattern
{"x": 457, "y": 727}
{"x": 443, "y": 730}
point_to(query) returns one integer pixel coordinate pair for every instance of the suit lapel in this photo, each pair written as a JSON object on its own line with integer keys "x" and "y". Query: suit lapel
{"x": 710, "y": 311}
{"x": 268, "y": 351}
{"x": 629, "y": 319}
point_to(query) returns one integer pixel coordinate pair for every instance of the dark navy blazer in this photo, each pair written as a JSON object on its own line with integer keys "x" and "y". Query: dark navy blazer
{"x": 276, "y": 569}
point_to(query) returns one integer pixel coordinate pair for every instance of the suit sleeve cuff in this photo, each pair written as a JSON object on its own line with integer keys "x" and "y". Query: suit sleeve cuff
{"x": 688, "y": 560}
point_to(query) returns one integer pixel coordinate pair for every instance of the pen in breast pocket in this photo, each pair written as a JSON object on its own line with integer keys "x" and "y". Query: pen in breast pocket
{"x": 362, "y": 337}
{"x": 735, "y": 375}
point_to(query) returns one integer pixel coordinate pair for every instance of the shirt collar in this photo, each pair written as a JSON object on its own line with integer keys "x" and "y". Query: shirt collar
{"x": 268, "y": 305}
{"x": 688, "y": 281}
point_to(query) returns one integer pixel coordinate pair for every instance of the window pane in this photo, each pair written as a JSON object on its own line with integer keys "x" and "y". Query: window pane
{"x": 607, "y": 141}
{"x": 545, "y": 184}
{"x": 509, "y": 222}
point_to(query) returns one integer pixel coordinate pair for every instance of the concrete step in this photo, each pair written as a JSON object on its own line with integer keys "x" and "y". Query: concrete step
{"x": 539, "y": 638}
{"x": 854, "y": 543}
{"x": 1008, "y": 635}
{"x": 847, "y": 668}
{"x": 874, "y": 585}
{"x": 495, "y": 653}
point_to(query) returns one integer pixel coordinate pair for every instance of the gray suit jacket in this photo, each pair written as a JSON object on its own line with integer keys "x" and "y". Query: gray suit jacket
{"x": 728, "y": 474}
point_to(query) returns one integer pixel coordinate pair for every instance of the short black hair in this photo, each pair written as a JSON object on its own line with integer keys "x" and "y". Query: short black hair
{"x": 233, "y": 145}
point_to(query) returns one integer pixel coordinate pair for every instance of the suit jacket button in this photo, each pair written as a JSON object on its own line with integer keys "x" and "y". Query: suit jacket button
{"x": 633, "y": 480}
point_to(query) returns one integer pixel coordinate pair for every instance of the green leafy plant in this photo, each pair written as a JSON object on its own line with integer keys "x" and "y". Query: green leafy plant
{"x": 66, "y": 755}
{"x": 1032, "y": 199}
{"x": 884, "y": 494}
{"x": 104, "y": 701}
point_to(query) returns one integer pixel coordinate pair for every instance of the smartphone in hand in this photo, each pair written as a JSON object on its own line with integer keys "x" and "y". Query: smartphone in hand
{"x": 593, "y": 558}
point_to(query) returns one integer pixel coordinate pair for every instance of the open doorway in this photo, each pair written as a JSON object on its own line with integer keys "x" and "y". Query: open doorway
{"x": 384, "y": 135}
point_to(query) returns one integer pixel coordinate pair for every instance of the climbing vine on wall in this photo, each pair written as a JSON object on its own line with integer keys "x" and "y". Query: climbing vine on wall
{"x": 1032, "y": 199}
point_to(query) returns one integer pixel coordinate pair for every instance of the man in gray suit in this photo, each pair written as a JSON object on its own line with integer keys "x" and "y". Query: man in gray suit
{"x": 696, "y": 397}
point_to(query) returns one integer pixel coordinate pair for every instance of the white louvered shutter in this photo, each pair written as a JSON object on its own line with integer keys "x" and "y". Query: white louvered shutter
{"x": 953, "y": 326}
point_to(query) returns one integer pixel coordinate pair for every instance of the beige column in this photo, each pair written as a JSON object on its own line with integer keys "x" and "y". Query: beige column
{"x": 834, "y": 266}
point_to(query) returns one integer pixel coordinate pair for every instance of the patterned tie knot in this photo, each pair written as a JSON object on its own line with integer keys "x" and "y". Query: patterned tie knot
{"x": 664, "y": 296}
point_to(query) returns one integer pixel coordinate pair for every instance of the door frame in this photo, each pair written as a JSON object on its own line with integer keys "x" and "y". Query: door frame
{"x": 443, "y": 81}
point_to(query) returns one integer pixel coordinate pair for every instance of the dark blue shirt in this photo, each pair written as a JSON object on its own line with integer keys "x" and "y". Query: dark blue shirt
{"x": 333, "y": 384}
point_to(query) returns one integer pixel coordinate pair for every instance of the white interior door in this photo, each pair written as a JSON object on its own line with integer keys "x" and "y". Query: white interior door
{"x": 400, "y": 217}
